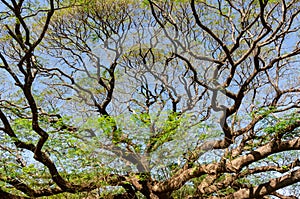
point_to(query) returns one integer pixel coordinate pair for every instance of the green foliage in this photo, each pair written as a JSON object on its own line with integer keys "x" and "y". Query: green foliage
{"x": 129, "y": 96}
{"x": 283, "y": 125}
{"x": 263, "y": 111}
{"x": 184, "y": 191}
{"x": 243, "y": 181}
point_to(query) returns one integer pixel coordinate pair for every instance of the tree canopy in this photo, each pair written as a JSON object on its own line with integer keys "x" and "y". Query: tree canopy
{"x": 153, "y": 99}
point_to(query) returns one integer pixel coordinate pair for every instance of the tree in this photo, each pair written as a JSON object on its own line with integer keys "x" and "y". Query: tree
{"x": 151, "y": 99}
